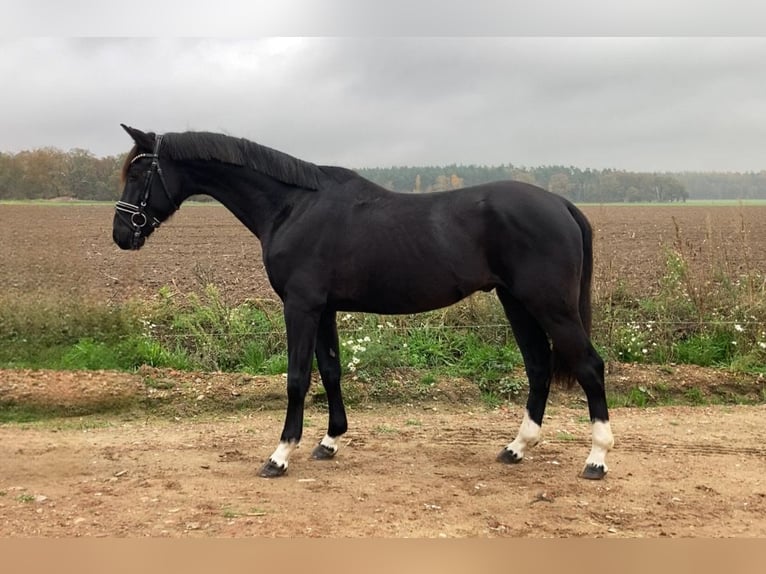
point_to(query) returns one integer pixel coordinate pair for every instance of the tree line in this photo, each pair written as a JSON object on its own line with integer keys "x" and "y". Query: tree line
{"x": 576, "y": 184}
{"x": 48, "y": 173}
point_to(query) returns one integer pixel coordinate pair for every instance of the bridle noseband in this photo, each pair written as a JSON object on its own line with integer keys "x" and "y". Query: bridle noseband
{"x": 137, "y": 213}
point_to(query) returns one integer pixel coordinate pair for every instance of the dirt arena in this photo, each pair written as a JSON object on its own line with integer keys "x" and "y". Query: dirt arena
{"x": 422, "y": 469}
{"x": 405, "y": 472}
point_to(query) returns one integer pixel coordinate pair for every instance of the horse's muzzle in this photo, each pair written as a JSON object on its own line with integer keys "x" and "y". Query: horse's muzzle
{"x": 125, "y": 238}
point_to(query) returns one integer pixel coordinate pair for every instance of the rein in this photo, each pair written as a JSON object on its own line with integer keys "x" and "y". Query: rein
{"x": 137, "y": 213}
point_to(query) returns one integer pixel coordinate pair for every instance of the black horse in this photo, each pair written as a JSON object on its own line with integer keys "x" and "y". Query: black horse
{"x": 333, "y": 241}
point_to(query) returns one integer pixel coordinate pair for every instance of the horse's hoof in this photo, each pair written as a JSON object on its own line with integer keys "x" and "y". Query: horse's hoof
{"x": 272, "y": 470}
{"x": 322, "y": 452}
{"x": 508, "y": 457}
{"x": 594, "y": 471}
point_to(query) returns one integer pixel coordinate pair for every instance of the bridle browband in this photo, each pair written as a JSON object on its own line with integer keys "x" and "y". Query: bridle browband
{"x": 137, "y": 213}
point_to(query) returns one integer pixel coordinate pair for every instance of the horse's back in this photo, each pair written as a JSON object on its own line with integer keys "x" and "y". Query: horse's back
{"x": 403, "y": 253}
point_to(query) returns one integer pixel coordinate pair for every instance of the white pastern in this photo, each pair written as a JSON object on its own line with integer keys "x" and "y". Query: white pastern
{"x": 330, "y": 443}
{"x": 281, "y": 456}
{"x": 603, "y": 441}
{"x": 529, "y": 436}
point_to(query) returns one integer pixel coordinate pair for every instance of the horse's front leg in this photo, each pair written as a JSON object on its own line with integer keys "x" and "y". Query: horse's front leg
{"x": 301, "y": 342}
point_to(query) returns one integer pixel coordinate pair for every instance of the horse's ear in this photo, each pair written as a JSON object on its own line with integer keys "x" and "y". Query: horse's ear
{"x": 143, "y": 140}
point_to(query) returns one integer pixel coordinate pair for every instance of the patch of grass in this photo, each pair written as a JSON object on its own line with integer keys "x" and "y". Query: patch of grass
{"x": 158, "y": 384}
{"x": 706, "y": 349}
{"x": 273, "y": 365}
{"x": 385, "y": 429}
{"x": 491, "y": 399}
{"x": 635, "y": 397}
{"x": 565, "y": 436}
{"x": 427, "y": 379}
{"x": 694, "y": 396}
{"x": 663, "y": 393}
{"x": 14, "y": 414}
{"x": 11, "y": 413}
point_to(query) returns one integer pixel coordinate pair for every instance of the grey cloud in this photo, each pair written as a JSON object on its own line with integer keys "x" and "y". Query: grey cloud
{"x": 634, "y": 103}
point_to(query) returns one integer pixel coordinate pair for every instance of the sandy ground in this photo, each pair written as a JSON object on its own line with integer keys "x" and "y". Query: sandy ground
{"x": 410, "y": 471}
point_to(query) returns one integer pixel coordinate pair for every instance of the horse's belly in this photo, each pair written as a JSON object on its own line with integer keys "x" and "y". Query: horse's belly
{"x": 414, "y": 294}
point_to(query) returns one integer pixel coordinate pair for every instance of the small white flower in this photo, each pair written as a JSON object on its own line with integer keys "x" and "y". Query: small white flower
{"x": 738, "y": 328}
{"x": 762, "y": 345}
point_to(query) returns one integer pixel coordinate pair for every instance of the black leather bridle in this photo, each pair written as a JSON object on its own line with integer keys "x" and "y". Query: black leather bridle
{"x": 138, "y": 217}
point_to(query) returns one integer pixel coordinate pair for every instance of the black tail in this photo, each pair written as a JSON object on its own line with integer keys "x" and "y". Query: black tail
{"x": 561, "y": 371}
{"x": 587, "y": 267}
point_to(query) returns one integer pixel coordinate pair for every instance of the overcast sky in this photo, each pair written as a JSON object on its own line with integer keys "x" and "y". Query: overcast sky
{"x": 638, "y": 103}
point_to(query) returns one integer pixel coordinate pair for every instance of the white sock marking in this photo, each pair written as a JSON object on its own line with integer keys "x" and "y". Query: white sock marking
{"x": 528, "y": 436}
{"x": 330, "y": 442}
{"x": 281, "y": 456}
{"x": 603, "y": 441}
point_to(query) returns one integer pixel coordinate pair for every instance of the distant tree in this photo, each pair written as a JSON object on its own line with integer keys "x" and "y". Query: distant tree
{"x": 10, "y": 177}
{"x": 559, "y": 183}
{"x": 42, "y": 173}
{"x": 79, "y": 173}
{"x": 523, "y": 175}
{"x": 441, "y": 183}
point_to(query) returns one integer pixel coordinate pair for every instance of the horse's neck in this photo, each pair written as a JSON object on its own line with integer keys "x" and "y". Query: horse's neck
{"x": 254, "y": 198}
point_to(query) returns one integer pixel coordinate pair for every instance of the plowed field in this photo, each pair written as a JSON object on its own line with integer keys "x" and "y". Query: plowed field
{"x": 68, "y": 250}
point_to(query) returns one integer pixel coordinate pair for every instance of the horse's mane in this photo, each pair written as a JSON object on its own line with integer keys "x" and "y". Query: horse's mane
{"x": 239, "y": 151}
{"x": 209, "y": 146}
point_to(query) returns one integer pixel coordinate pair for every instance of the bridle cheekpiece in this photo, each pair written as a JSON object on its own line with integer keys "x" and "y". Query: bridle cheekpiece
{"x": 137, "y": 213}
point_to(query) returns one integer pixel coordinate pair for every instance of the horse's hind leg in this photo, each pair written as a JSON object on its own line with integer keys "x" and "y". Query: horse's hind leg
{"x": 536, "y": 351}
{"x": 328, "y": 361}
{"x": 575, "y": 351}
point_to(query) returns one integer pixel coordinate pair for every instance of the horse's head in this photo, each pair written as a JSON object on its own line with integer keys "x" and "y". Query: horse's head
{"x": 146, "y": 199}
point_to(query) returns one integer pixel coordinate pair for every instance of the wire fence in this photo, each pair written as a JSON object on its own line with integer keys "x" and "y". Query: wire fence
{"x": 735, "y": 325}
